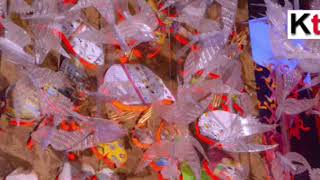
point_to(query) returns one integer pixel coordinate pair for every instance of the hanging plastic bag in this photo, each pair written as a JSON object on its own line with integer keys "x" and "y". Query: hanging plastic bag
{"x": 231, "y": 130}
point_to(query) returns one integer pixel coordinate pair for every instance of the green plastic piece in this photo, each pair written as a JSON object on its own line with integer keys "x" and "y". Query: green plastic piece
{"x": 188, "y": 174}
{"x": 204, "y": 176}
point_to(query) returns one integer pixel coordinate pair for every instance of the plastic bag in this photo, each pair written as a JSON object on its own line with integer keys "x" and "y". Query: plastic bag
{"x": 3, "y": 8}
{"x": 93, "y": 53}
{"x": 92, "y": 134}
{"x": 192, "y": 101}
{"x": 19, "y": 174}
{"x": 229, "y": 11}
{"x": 105, "y": 7}
{"x": 87, "y": 171}
{"x": 287, "y": 80}
{"x": 43, "y": 97}
{"x": 287, "y": 49}
{"x": 20, "y": 6}
{"x": 26, "y": 105}
{"x": 135, "y": 30}
{"x": 45, "y": 41}
{"x": 231, "y": 130}
{"x": 225, "y": 166}
{"x": 293, "y": 163}
{"x": 47, "y": 11}
{"x": 179, "y": 150}
{"x": 134, "y": 84}
{"x": 12, "y": 45}
{"x": 193, "y": 15}
{"x": 293, "y": 106}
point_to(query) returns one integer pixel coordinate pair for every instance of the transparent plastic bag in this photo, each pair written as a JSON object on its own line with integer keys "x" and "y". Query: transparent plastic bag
{"x": 134, "y": 81}
{"x": 13, "y": 43}
{"x": 232, "y": 75}
{"x": 26, "y": 105}
{"x": 287, "y": 49}
{"x": 40, "y": 95}
{"x": 224, "y": 126}
{"x": 43, "y": 95}
{"x": 202, "y": 24}
{"x": 20, "y": 174}
{"x": 46, "y": 40}
{"x": 293, "y": 163}
{"x": 47, "y": 11}
{"x": 74, "y": 73}
{"x": 137, "y": 28}
{"x": 229, "y": 11}
{"x": 3, "y": 7}
{"x": 231, "y": 130}
{"x": 225, "y": 166}
{"x": 105, "y": 8}
{"x": 177, "y": 3}
{"x": 286, "y": 81}
{"x": 44, "y": 11}
{"x": 293, "y": 106}
{"x": 70, "y": 171}
{"x": 277, "y": 14}
{"x": 192, "y": 101}
{"x": 196, "y": 8}
{"x": 20, "y": 7}
{"x": 15, "y": 53}
{"x": 212, "y": 57}
{"x": 245, "y": 101}
{"x": 92, "y": 134}
{"x": 193, "y": 15}
{"x": 183, "y": 149}
{"x": 15, "y": 33}
{"x": 94, "y": 35}
{"x": 91, "y": 52}
{"x": 314, "y": 174}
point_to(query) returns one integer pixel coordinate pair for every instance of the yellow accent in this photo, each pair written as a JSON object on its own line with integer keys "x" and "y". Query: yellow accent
{"x": 114, "y": 151}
